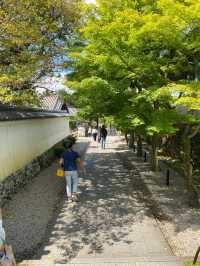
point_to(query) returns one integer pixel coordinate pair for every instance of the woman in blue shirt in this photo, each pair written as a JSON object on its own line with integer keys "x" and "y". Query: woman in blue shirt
{"x": 70, "y": 162}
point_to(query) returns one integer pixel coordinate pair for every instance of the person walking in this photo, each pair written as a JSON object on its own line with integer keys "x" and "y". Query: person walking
{"x": 94, "y": 133}
{"x": 103, "y": 134}
{"x": 90, "y": 132}
{"x": 70, "y": 162}
{"x": 99, "y": 134}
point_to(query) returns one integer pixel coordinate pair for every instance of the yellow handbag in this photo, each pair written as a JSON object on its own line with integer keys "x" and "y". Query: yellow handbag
{"x": 60, "y": 172}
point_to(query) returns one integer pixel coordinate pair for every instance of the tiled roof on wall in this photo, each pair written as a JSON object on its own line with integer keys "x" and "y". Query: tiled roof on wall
{"x": 52, "y": 102}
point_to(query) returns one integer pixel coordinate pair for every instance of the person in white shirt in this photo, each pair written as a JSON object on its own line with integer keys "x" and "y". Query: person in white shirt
{"x": 90, "y": 132}
{"x": 94, "y": 133}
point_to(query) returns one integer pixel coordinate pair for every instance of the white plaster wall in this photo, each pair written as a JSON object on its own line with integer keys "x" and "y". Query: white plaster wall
{"x": 21, "y": 141}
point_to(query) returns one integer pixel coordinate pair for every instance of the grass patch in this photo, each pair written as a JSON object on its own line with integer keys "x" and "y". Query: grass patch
{"x": 190, "y": 264}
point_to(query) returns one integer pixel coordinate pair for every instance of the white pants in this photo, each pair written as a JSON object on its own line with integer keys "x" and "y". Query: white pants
{"x": 72, "y": 182}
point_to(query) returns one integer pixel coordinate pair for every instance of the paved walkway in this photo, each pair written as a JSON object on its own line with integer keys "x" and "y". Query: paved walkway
{"x": 113, "y": 222}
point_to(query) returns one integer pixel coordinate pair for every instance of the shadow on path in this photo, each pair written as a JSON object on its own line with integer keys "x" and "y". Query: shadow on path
{"x": 29, "y": 212}
{"x": 169, "y": 204}
{"x": 113, "y": 218}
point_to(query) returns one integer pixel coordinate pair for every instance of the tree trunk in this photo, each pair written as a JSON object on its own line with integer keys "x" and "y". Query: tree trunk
{"x": 126, "y": 137}
{"x": 154, "y": 153}
{"x": 131, "y": 140}
{"x": 192, "y": 194}
{"x": 97, "y": 121}
{"x": 187, "y": 162}
{"x": 139, "y": 146}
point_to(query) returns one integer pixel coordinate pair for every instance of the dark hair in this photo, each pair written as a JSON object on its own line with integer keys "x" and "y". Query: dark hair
{"x": 103, "y": 126}
{"x": 69, "y": 146}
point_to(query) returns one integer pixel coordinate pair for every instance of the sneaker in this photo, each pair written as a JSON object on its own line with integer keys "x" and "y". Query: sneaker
{"x": 75, "y": 198}
{"x": 69, "y": 200}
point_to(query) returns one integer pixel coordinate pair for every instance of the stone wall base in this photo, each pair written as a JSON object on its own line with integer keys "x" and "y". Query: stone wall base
{"x": 13, "y": 183}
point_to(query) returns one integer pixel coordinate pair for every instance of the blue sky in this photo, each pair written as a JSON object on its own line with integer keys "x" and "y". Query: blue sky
{"x": 56, "y": 81}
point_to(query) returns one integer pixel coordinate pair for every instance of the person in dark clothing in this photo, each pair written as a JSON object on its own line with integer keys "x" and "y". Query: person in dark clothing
{"x": 103, "y": 135}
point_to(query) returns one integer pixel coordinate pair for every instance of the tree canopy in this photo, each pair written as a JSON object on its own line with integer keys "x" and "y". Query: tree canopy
{"x": 147, "y": 53}
{"x": 143, "y": 49}
{"x": 33, "y": 34}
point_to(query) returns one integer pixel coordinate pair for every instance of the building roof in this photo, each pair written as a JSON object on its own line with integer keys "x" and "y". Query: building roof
{"x": 52, "y": 102}
{"x": 12, "y": 113}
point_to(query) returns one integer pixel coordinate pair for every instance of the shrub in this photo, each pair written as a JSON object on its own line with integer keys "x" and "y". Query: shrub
{"x": 72, "y": 124}
{"x": 72, "y": 139}
{"x": 66, "y": 143}
{"x": 69, "y": 140}
{"x": 59, "y": 151}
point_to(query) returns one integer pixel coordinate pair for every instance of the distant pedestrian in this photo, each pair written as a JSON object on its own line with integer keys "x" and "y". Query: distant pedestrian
{"x": 86, "y": 131}
{"x": 103, "y": 134}
{"x": 99, "y": 134}
{"x": 94, "y": 133}
{"x": 70, "y": 162}
{"x": 90, "y": 132}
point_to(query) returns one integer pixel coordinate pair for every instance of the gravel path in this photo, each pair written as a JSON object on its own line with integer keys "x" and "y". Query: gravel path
{"x": 30, "y": 211}
{"x": 113, "y": 219}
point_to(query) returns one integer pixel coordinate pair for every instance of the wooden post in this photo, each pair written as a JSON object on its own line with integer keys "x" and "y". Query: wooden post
{"x": 145, "y": 156}
{"x": 167, "y": 177}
